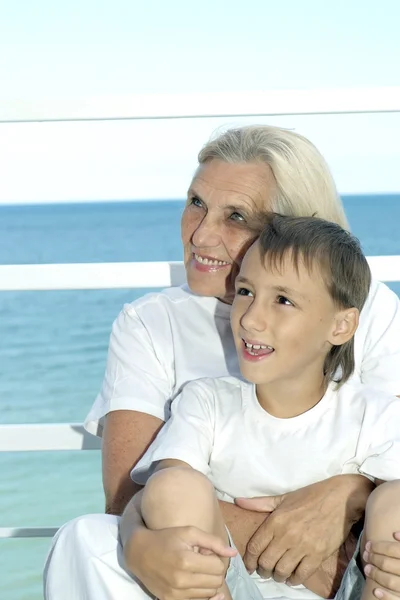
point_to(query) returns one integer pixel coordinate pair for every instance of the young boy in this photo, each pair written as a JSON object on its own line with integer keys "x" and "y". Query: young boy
{"x": 298, "y": 418}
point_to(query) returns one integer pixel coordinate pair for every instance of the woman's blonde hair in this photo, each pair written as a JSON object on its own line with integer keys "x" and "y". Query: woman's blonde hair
{"x": 305, "y": 186}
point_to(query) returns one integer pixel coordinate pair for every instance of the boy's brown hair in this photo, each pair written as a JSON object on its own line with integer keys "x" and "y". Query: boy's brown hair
{"x": 337, "y": 256}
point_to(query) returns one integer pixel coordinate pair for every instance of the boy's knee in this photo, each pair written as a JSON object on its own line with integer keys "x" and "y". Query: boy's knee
{"x": 383, "y": 498}
{"x": 170, "y": 488}
{"x": 174, "y": 480}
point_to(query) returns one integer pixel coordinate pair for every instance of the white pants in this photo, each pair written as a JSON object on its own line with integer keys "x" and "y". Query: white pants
{"x": 86, "y": 563}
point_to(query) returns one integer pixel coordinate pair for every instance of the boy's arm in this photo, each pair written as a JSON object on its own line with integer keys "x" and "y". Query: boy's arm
{"x": 383, "y": 566}
{"x": 163, "y": 559}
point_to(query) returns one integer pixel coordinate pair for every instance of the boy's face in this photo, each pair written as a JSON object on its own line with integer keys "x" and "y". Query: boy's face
{"x": 284, "y": 321}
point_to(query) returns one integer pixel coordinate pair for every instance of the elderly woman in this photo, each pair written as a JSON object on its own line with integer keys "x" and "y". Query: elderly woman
{"x": 162, "y": 341}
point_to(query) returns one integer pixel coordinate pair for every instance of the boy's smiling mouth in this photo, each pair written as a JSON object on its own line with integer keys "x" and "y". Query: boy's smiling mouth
{"x": 256, "y": 350}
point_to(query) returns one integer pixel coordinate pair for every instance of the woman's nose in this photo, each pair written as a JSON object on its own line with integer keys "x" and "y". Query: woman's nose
{"x": 207, "y": 234}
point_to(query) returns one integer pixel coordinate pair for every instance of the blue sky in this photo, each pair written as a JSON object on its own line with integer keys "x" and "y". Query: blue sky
{"x": 76, "y": 49}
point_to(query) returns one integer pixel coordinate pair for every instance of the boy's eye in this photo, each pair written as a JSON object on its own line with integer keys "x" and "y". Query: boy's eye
{"x": 243, "y": 292}
{"x": 284, "y": 300}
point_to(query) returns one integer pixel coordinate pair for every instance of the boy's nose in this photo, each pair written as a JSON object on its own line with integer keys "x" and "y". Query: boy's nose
{"x": 254, "y": 319}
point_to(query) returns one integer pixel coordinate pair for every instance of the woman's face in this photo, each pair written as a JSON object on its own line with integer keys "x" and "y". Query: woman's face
{"x": 215, "y": 234}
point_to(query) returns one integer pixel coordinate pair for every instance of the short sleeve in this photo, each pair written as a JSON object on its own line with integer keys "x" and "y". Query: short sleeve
{"x": 381, "y": 457}
{"x": 188, "y": 435}
{"x": 380, "y": 365}
{"x": 135, "y": 378}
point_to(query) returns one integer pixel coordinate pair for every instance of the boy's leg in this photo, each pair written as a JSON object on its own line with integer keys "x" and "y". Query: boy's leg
{"x": 382, "y": 518}
{"x": 181, "y": 496}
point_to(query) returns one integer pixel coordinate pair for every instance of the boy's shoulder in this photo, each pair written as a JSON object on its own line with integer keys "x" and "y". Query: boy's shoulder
{"x": 217, "y": 385}
{"x": 354, "y": 390}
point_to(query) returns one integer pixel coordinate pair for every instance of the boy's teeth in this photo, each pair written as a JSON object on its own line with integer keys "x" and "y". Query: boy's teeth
{"x": 257, "y": 346}
{"x": 209, "y": 261}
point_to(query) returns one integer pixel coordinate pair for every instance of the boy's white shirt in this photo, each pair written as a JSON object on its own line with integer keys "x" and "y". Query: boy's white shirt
{"x": 166, "y": 339}
{"x": 218, "y": 427}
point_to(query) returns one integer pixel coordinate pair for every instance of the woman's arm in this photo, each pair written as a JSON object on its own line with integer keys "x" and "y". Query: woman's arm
{"x": 242, "y": 523}
{"x": 126, "y": 436}
{"x": 132, "y": 401}
{"x": 306, "y": 527}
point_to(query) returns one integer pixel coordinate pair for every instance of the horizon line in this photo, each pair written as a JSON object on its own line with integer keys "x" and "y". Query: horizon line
{"x": 23, "y": 203}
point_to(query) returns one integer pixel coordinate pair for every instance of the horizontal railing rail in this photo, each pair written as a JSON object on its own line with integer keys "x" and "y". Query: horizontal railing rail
{"x": 201, "y": 105}
{"x": 85, "y": 276}
{"x": 27, "y": 532}
{"x": 42, "y": 437}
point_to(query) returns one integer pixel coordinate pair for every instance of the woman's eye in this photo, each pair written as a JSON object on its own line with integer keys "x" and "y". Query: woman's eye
{"x": 235, "y": 216}
{"x": 196, "y": 201}
{"x": 284, "y": 300}
{"x": 243, "y": 292}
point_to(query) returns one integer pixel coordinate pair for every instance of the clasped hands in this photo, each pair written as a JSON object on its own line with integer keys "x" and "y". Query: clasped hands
{"x": 301, "y": 530}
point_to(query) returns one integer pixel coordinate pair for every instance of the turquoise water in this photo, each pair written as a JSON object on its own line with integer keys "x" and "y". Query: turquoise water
{"x": 53, "y": 349}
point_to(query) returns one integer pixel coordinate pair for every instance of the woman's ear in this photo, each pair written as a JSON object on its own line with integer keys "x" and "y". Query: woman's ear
{"x": 344, "y": 326}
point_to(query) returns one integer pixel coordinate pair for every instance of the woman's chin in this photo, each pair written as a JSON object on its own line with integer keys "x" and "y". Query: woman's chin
{"x": 202, "y": 286}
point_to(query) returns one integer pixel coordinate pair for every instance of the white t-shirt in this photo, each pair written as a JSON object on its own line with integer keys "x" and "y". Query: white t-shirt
{"x": 164, "y": 340}
{"x": 218, "y": 427}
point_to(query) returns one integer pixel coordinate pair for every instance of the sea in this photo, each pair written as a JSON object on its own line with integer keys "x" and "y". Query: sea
{"x": 53, "y": 348}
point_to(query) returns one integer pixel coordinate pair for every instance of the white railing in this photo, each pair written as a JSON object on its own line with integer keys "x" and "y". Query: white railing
{"x": 43, "y": 437}
{"x": 193, "y": 106}
{"x": 91, "y": 276}
{"x": 65, "y": 436}
{"x": 87, "y": 276}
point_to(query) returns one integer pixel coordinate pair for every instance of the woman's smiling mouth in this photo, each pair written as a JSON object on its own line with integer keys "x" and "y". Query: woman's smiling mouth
{"x": 208, "y": 263}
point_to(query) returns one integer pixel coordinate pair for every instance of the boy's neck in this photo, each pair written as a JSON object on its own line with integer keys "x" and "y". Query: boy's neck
{"x": 289, "y": 398}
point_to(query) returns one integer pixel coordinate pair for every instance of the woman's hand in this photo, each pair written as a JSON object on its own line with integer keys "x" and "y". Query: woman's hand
{"x": 383, "y": 567}
{"x": 305, "y": 527}
{"x": 169, "y": 565}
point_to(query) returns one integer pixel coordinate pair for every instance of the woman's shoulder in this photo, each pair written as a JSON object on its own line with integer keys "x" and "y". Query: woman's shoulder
{"x": 381, "y": 303}
{"x": 171, "y": 299}
{"x": 158, "y": 314}
{"x": 377, "y": 349}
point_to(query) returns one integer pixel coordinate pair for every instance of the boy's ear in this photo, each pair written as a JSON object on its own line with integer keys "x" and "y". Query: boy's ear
{"x": 344, "y": 326}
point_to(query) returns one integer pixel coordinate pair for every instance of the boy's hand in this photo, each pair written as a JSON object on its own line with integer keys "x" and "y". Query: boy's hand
{"x": 169, "y": 565}
{"x": 383, "y": 567}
